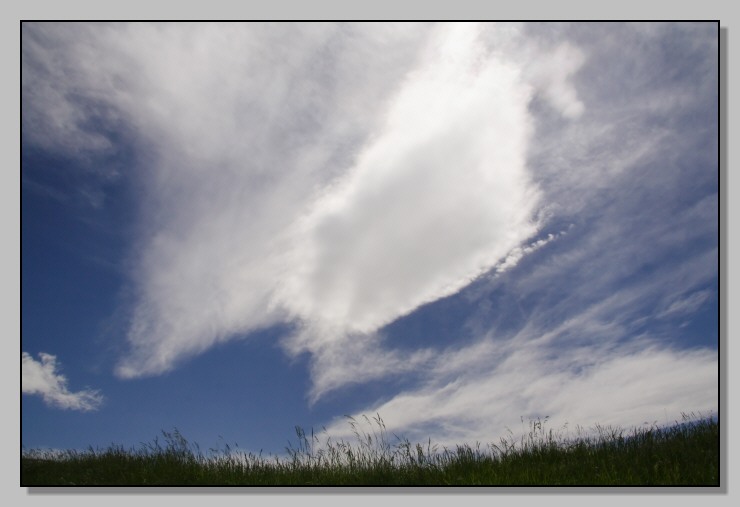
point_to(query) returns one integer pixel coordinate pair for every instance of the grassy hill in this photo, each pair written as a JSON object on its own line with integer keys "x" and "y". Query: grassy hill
{"x": 686, "y": 453}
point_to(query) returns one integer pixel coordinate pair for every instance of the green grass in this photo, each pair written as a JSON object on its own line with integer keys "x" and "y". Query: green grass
{"x": 684, "y": 454}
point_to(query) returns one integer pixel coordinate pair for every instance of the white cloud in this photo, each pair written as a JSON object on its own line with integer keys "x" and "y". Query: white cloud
{"x": 42, "y": 378}
{"x": 439, "y": 197}
{"x": 239, "y": 128}
{"x": 356, "y": 359}
{"x": 337, "y": 174}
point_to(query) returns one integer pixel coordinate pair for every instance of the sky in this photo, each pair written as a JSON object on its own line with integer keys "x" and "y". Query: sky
{"x": 235, "y": 229}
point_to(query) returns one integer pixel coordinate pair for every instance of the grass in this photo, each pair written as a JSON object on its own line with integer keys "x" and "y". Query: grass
{"x": 686, "y": 453}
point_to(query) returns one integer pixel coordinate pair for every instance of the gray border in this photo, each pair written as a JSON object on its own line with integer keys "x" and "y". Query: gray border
{"x": 334, "y": 9}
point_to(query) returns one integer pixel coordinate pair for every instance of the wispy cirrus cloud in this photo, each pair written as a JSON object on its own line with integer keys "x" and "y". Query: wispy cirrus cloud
{"x": 42, "y": 378}
{"x": 687, "y": 304}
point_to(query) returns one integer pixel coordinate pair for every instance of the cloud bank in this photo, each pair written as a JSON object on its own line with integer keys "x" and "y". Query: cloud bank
{"x": 586, "y": 387}
{"x": 42, "y": 378}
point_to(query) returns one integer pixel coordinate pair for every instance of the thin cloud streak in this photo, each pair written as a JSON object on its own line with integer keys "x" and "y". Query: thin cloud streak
{"x": 687, "y": 305}
{"x": 42, "y": 378}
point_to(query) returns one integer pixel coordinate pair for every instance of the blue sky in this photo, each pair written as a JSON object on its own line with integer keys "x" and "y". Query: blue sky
{"x": 234, "y": 229}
